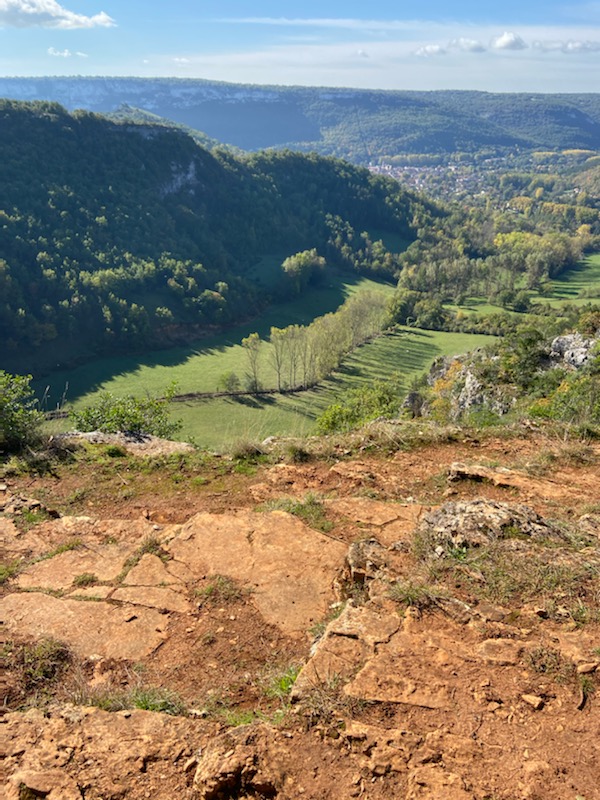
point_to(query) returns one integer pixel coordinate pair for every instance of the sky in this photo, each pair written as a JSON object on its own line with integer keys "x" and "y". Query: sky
{"x": 524, "y": 45}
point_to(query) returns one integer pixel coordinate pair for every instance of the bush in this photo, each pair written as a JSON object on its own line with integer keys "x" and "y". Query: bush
{"x": 20, "y": 419}
{"x": 381, "y": 399}
{"x": 130, "y": 414}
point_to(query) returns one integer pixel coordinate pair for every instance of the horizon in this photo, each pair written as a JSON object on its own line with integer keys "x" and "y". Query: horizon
{"x": 537, "y": 48}
{"x": 276, "y": 85}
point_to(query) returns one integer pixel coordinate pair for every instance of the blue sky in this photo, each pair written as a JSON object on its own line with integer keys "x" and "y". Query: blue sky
{"x": 528, "y": 45}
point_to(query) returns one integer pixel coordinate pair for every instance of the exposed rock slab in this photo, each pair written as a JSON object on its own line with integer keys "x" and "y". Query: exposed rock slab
{"x": 290, "y": 567}
{"x": 104, "y": 562}
{"x": 161, "y": 598}
{"x": 90, "y": 629}
{"x": 505, "y": 478}
{"x": 72, "y": 751}
{"x": 391, "y": 521}
{"x": 150, "y": 571}
{"x": 434, "y": 783}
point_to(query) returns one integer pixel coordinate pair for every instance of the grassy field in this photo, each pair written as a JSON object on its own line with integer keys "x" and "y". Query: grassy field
{"x": 577, "y": 286}
{"x": 220, "y": 422}
{"x": 198, "y": 366}
{"x": 574, "y": 284}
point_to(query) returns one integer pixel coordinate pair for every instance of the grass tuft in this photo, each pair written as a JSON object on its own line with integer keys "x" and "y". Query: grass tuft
{"x": 310, "y": 510}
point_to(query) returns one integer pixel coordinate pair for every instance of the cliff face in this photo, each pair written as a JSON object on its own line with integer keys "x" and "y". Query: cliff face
{"x": 416, "y": 625}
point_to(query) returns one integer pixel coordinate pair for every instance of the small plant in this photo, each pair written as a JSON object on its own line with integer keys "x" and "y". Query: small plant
{"x": 37, "y": 664}
{"x": 163, "y": 701}
{"x": 587, "y": 687}
{"x": 115, "y": 451}
{"x": 234, "y": 718}
{"x": 246, "y": 450}
{"x": 30, "y": 518}
{"x": 85, "y": 579}
{"x": 417, "y": 595}
{"x": 296, "y": 454}
{"x": 221, "y": 589}
{"x": 8, "y": 570}
{"x": 318, "y": 629}
{"x": 278, "y": 685}
{"x": 310, "y": 510}
{"x": 147, "y": 698}
{"x": 74, "y": 544}
{"x": 325, "y": 704}
{"x": 545, "y": 660}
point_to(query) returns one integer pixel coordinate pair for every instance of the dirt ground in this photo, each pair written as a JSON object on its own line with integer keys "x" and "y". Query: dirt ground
{"x": 301, "y": 642}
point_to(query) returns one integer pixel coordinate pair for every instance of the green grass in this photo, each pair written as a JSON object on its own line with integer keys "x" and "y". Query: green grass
{"x": 198, "y": 366}
{"x": 573, "y": 285}
{"x": 219, "y": 422}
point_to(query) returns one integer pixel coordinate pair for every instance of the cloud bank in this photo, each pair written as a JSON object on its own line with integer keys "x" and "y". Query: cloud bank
{"x": 52, "y": 51}
{"x": 47, "y": 14}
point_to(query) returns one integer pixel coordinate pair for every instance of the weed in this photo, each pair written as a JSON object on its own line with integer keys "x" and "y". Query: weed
{"x": 278, "y": 685}
{"x": 8, "y": 570}
{"x": 37, "y": 664}
{"x": 417, "y": 595}
{"x": 76, "y": 496}
{"x": 310, "y": 510}
{"x": 244, "y": 468}
{"x": 29, "y": 518}
{"x": 85, "y": 579}
{"x": 546, "y": 661}
{"x": 318, "y": 629}
{"x": 326, "y": 704}
{"x": 199, "y": 480}
{"x": 596, "y": 651}
{"x": 221, "y": 589}
{"x": 246, "y": 450}
{"x": 208, "y": 638}
{"x": 152, "y": 545}
{"x": 74, "y": 544}
{"x": 115, "y": 451}
{"x": 234, "y": 718}
{"x": 296, "y": 454}
{"x": 147, "y": 698}
{"x": 587, "y": 685}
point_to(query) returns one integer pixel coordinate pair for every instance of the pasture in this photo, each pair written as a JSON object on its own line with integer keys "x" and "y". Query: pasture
{"x": 219, "y": 422}
{"x": 196, "y": 367}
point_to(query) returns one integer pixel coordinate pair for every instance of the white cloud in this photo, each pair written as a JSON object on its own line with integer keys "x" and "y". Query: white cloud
{"x": 47, "y": 14}
{"x": 429, "y": 50}
{"x": 467, "y": 45}
{"x": 581, "y": 47}
{"x": 52, "y": 51}
{"x": 570, "y": 46}
{"x": 362, "y": 53}
{"x": 181, "y": 60}
{"x": 509, "y": 41}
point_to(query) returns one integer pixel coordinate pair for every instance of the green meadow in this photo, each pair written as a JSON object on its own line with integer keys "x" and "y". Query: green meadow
{"x": 195, "y": 367}
{"x": 579, "y": 285}
{"x": 407, "y": 353}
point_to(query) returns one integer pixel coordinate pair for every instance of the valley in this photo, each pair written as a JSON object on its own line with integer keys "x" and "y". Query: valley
{"x": 329, "y": 526}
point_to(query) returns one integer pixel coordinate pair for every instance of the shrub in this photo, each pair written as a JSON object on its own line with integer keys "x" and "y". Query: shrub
{"x": 130, "y": 414}
{"x": 20, "y": 419}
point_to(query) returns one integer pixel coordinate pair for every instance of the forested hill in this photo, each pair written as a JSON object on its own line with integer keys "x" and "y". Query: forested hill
{"x": 360, "y": 125}
{"x": 113, "y": 234}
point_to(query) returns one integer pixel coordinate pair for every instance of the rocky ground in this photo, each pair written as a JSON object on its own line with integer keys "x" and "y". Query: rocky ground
{"x": 420, "y": 625}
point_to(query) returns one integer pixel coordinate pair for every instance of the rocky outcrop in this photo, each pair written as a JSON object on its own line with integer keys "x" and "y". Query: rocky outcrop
{"x": 474, "y": 523}
{"x": 571, "y": 350}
